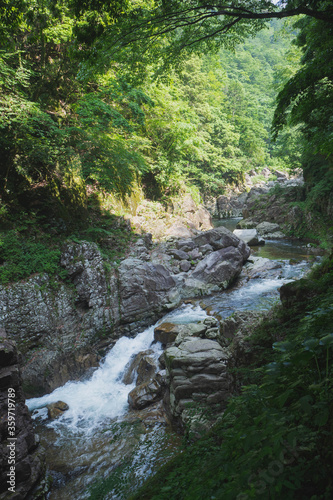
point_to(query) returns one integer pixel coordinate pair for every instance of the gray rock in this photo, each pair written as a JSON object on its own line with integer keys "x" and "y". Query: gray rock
{"x": 212, "y": 333}
{"x": 265, "y": 228}
{"x": 249, "y": 236}
{"x": 219, "y": 267}
{"x": 184, "y": 265}
{"x": 185, "y": 245}
{"x": 178, "y": 231}
{"x": 197, "y": 369}
{"x": 230, "y": 206}
{"x": 211, "y": 321}
{"x": 145, "y": 394}
{"x": 260, "y": 267}
{"x": 143, "y": 289}
{"x": 205, "y": 249}
{"x": 218, "y": 238}
{"x": 132, "y": 368}
{"x": 190, "y": 330}
{"x": 166, "y": 332}
{"x": 179, "y": 254}
{"x": 194, "y": 254}
{"x": 146, "y": 370}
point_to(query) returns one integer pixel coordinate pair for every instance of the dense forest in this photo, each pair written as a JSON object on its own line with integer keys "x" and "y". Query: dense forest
{"x": 78, "y": 109}
{"x": 93, "y": 102}
{"x": 104, "y": 101}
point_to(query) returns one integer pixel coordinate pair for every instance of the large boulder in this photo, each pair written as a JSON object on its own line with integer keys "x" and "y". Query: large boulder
{"x": 270, "y": 230}
{"x": 131, "y": 370}
{"x": 146, "y": 370}
{"x": 169, "y": 332}
{"x": 197, "y": 369}
{"x": 145, "y": 394}
{"x": 220, "y": 267}
{"x": 260, "y": 267}
{"x": 143, "y": 289}
{"x": 249, "y": 236}
{"x": 166, "y": 332}
{"x": 219, "y": 238}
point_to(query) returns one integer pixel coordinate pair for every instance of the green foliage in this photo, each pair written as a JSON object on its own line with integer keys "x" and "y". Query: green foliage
{"x": 180, "y": 28}
{"x": 34, "y": 246}
{"x": 275, "y": 438}
{"x": 21, "y": 257}
{"x": 306, "y": 99}
{"x": 111, "y": 233}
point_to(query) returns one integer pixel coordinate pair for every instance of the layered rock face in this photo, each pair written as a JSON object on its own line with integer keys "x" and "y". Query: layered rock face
{"x": 59, "y": 327}
{"x": 195, "y": 375}
{"x": 198, "y": 377}
{"x": 20, "y": 460}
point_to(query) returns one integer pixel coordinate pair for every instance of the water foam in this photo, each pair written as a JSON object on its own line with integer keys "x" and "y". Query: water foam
{"x": 104, "y": 395}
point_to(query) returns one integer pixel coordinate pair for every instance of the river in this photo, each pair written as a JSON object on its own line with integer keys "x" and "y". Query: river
{"x": 99, "y": 437}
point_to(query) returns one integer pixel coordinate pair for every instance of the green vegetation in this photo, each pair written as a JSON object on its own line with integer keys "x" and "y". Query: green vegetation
{"x": 101, "y": 99}
{"x": 275, "y": 438}
{"x": 84, "y": 102}
{"x": 74, "y": 113}
{"x": 34, "y": 246}
{"x": 23, "y": 258}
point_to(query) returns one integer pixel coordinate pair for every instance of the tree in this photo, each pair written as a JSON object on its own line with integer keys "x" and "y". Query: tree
{"x": 306, "y": 100}
{"x": 189, "y": 24}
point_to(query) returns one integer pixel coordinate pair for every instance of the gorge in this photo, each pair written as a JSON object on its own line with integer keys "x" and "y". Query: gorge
{"x": 98, "y": 409}
{"x": 166, "y": 266}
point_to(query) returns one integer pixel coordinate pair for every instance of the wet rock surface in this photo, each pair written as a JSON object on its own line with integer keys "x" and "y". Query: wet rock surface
{"x": 56, "y": 410}
{"x": 260, "y": 267}
{"x": 199, "y": 368}
{"x": 145, "y": 394}
{"x": 20, "y": 455}
{"x": 63, "y": 330}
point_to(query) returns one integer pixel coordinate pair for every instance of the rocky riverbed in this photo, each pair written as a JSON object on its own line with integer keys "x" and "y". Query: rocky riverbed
{"x": 180, "y": 375}
{"x": 62, "y": 329}
{"x": 179, "y": 371}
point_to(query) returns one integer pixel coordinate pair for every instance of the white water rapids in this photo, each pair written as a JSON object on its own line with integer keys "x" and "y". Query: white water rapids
{"x": 104, "y": 395}
{"x": 99, "y": 437}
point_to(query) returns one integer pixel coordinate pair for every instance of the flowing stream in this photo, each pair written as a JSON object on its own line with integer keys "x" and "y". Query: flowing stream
{"x": 99, "y": 437}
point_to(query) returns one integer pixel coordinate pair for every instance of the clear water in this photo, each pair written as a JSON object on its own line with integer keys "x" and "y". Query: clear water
{"x": 229, "y": 223}
{"x": 99, "y": 437}
{"x": 254, "y": 294}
